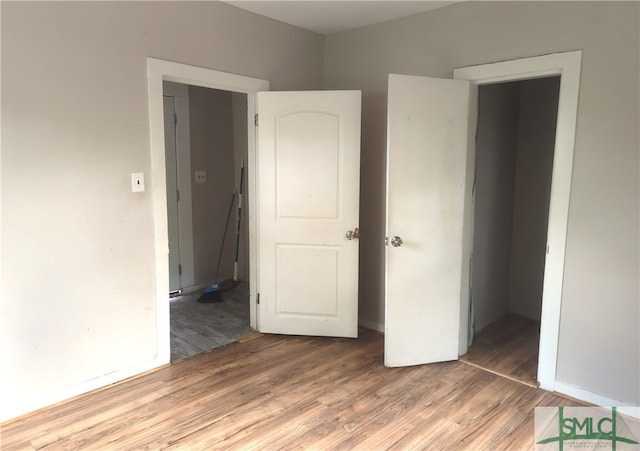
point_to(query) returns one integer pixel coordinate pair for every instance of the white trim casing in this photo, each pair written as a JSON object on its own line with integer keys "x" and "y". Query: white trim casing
{"x": 157, "y": 72}
{"x": 567, "y": 65}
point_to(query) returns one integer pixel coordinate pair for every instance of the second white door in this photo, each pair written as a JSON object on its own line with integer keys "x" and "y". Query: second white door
{"x": 426, "y": 170}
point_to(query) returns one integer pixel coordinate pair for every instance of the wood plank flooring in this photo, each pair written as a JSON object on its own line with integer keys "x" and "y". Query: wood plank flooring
{"x": 508, "y": 347}
{"x": 197, "y": 328}
{"x": 282, "y": 392}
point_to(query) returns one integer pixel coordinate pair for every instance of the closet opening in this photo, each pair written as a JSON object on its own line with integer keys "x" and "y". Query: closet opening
{"x": 514, "y": 164}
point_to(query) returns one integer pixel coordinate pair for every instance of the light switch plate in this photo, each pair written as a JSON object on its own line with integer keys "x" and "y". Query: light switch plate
{"x": 201, "y": 176}
{"x": 137, "y": 182}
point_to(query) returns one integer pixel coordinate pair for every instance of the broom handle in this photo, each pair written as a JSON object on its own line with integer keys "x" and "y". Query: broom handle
{"x": 235, "y": 264}
{"x": 224, "y": 235}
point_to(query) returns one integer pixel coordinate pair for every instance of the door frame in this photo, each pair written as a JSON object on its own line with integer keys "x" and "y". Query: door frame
{"x": 567, "y": 65}
{"x": 157, "y": 72}
{"x": 184, "y": 214}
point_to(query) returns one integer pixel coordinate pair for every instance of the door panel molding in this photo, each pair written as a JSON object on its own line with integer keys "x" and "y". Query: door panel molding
{"x": 308, "y": 197}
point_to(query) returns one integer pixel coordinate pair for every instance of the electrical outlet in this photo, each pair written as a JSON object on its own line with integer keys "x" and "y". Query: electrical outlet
{"x": 137, "y": 182}
{"x": 201, "y": 176}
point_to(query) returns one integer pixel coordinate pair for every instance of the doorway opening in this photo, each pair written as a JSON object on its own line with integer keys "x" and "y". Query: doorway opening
{"x": 206, "y": 150}
{"x": 159, "y": 71}
{"x": 514, "y": 164}
{"x": 567, "y": 65}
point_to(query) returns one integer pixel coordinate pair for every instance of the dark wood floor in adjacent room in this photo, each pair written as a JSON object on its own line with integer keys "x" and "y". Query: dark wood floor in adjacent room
{"x": 508, "y": 347}
{"x": 277, "y": 392}
{"x": 196, "y": 327}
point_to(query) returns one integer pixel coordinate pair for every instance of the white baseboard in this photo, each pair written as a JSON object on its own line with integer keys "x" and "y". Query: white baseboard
{"x": 559, "y": 387}
{"x": 598, "y": 400}
{"x": 371, "y": 325}
{"x": 39, "y": 402}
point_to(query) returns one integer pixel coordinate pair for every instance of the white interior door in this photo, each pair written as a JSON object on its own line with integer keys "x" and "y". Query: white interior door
{"x": 172, "y": 190}
{"x": 308, "y": 165}
{"x": 426, "y": 168}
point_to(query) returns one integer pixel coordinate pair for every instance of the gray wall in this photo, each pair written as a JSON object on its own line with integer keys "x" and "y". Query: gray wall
{"x": 534, "y": 162}
{"x": 498, "y": 110}
{"x": 514, "y": 158}
{"x": 600, "y": 307}
{"x": 212, "y": 150}
{"x": 77, "y": 245}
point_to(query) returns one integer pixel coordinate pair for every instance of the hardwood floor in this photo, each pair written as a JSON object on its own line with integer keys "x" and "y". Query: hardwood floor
{"x": 508, "y": 347}
{"x": 276, "y": 392}
{"x": 197, "y": 328}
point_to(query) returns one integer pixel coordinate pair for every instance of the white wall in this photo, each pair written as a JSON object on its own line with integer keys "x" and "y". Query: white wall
{"x": 599, "y": 348}
{"x": 497, "y": 138}
{"x": 77, "y": 246}
{"x": 534, "y": 161}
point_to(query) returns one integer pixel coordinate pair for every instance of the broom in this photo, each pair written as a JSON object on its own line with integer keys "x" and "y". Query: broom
{"x": 213, "y": 292}
{"x": 235, "y": 264}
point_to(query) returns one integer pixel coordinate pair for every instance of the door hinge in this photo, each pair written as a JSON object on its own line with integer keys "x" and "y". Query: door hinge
{"x": 179, "y": 269}
{"x": 175, "y": 118}
{"x": 258, "y": 298}
{"x": 178, "y": 195}
{"x": 256, "y": 119}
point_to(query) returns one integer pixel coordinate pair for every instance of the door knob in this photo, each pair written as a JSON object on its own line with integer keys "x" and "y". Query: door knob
{"x": 353, "y": 234}
{"x": 396, "y": 241}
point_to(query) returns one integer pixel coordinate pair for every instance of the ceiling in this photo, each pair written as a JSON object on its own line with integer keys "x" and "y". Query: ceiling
{"x": 331, "y": 16}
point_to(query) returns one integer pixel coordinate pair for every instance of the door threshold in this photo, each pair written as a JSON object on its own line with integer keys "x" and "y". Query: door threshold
{"x": 532, "y": 384}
